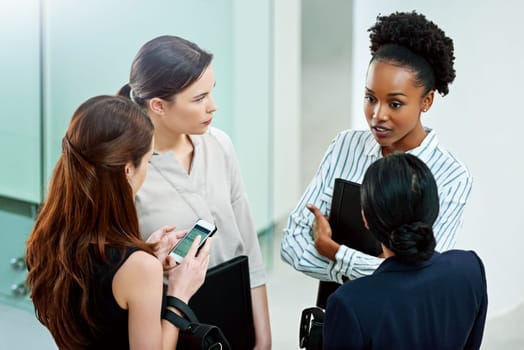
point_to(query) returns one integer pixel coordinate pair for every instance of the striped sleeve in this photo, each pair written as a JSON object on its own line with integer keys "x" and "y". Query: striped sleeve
{"x": 297, "y": 247}
{"x": 344, "y": 156}
{"x": 352, "y": 264}
{"x": 348, "y": 156}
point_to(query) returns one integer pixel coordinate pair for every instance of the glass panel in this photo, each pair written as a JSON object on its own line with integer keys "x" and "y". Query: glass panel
{"x": 20, "y": 142}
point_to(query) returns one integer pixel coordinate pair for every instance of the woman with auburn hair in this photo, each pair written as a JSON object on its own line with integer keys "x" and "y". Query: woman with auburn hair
{"x": 94, "y": 282}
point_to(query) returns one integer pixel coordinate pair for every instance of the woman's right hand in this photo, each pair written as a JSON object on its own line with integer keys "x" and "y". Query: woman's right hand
{"x": 187, "y": 277}
{"x": 165, "y": 239}
{"x": 322, "y": 233}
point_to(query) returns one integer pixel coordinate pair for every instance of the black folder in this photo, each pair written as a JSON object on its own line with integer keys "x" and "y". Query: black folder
{"x": 224, "y": 300}
{"x": 347, "y": 226}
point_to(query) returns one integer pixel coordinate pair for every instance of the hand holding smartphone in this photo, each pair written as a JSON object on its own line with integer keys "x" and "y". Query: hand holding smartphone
{"x": 201, "y": 228}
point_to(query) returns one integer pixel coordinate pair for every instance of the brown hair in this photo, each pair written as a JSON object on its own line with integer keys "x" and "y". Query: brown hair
{"x": 90, "y": 202}
{"x": 163, "y": 67}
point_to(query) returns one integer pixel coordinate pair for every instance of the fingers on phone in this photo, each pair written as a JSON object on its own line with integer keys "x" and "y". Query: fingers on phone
{"x": 194, "y": 247}
{"x": 170, "y": 263}
{"x": 207, "y": 247}
{"x": 168, "y": 229}
{"x": 206, "y": 262}
{"x": 180, "y": 234}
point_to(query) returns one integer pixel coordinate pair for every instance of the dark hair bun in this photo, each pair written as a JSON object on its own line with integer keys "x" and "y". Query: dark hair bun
{"x": 421, "y": 36}
{"x": 413, "y": 242}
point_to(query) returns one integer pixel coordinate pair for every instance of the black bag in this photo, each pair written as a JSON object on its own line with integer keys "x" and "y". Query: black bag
{"x": 193, "y": 334}
{"x": 311, "y": 326}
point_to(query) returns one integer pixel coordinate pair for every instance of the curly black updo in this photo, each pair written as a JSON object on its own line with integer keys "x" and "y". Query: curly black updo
{"x": 411, "y": 40}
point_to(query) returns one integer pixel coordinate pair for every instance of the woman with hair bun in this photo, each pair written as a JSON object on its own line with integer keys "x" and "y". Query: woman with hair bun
{"x": 194, "y": 172}
{"x": 411, "y": 59}
{"x": 417, "y": 298}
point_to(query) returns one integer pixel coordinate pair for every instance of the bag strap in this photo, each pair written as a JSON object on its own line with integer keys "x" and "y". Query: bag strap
{"x": 184, "y": 322}
{"x": 182, "y": 307}
{"x": 189, "y": 323}
{"x": 176, "y": 320}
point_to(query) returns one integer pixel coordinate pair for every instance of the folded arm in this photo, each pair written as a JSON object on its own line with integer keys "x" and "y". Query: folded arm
{"x": 298, "y": 245}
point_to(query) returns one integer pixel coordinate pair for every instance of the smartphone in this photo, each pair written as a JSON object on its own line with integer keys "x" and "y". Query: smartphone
{"x": 201, "y": 228}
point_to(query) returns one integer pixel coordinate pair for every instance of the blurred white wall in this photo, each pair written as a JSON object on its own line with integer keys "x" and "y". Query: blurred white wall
{"x": 479, "y": 122}
{"x": 326, "y": 78}
{"x": 286, "y": 107}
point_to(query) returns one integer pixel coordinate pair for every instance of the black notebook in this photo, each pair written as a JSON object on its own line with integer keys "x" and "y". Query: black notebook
{"x": 224, "y": 300}
{"x": 345, "y": 219}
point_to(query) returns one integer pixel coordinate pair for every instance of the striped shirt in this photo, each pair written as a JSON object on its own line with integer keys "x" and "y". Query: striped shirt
{"x": 348, "y": 157}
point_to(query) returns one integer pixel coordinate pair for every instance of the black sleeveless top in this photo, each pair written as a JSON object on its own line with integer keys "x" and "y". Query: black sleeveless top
{"x": 111, "y": 319}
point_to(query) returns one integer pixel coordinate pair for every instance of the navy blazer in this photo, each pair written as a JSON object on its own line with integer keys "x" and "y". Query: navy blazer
{"x": 437, "y": 304}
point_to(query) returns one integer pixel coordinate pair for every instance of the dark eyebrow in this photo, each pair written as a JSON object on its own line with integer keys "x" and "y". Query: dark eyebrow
{"x": 397, "y": 94}
{"x": 200, "y": 96}
{"x": 392, "y": 94}
{"x": 204, "y": 93}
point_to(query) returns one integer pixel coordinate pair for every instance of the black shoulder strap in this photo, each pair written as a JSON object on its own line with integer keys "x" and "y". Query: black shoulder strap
{"x": 184, "y": 322}
{"x": 183, "y": 308}
{"x": 176, "y": 320}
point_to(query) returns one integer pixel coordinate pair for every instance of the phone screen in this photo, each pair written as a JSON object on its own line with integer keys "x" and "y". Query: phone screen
{"x": 183, "y": 246}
